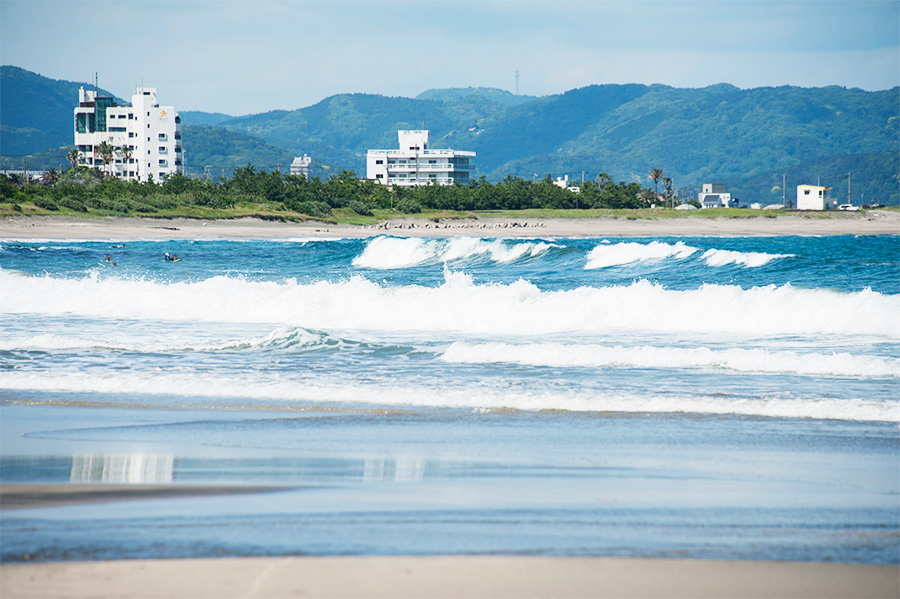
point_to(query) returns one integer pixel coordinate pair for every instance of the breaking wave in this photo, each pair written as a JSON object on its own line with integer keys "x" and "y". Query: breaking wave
{"x": 386, "y": 253}
{"x": 460, "y": 305}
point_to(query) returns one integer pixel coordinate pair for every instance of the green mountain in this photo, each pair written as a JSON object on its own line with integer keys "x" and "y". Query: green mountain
{"x": 36, "y": 113}
{"x": 221, "y": 149}
{"x": 746, "y": 138}
{"x": 198, "y": 117}
{"x": 501, "y": 96}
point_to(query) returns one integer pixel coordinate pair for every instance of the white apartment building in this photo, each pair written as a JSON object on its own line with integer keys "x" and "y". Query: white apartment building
{"x": 300, "y": 166}
{"x": 713, "y": 195}
{"x": 146, "y": 136}
{"x": 812, "y": 197}
{"x": 417, "y": 164}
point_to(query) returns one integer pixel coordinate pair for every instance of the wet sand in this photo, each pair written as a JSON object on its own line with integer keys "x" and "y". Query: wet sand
{"x": 404, "y": 576}
{"x": 453, "y": 576}
{"x": 25, "y": 496}
{"x": 873, "y": 222}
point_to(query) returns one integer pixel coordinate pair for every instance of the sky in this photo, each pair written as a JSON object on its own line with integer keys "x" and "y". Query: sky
{"x": 259, "y": 55}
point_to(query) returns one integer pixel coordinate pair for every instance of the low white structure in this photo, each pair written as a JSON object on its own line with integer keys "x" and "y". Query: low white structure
{"x": 564, "y": 183}
{"x": 812, "y": 197}
{"x": 146, "y": 136}
{"x": 300, "y": 166}
{"x": 414, "y": 163}
{"x": 713, "y": 195}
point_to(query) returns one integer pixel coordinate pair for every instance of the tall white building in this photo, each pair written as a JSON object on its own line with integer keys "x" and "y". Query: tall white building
{"x": 414, "y": 163}
{"x": 146, "y": 136}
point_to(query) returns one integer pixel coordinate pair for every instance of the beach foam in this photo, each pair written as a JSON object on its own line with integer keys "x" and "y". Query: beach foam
{"x": 741, "y": 360}
{"x": 461, "y": 305}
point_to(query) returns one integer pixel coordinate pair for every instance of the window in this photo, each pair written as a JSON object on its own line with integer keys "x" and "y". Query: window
{"x": 163, "y": 150}
{"x": 131, "y": 134}
{"x": 379, "y": 162}
{"x": 163, "y": 162}
{"x": 806, "y": 192}
{"x": 162, "y": 137}
{"x": 379, "y": 176}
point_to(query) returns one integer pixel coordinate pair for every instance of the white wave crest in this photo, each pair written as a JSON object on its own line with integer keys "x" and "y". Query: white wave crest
{"x": 607, "y": 255}
{"x": 460, "y": 305}
{"x": 281, "y": 338}
{"x": 749, "y": 259}
{"x": 742, "y": 360}
{"x": 293, "y": 391}
{"x": 385, "y": 253}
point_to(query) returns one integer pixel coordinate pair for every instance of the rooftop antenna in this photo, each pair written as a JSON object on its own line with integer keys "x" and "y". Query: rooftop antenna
{"x": 517, "y": 82}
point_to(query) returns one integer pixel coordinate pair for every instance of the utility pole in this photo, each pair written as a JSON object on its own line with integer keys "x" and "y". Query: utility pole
{"x": 206, "y": 170}
{"x": 783, "y": 196}
{"x": 517, "y": 82}
{"x": 24, "y": 169}
{"x": 848, "y": 189}
{"x": 278, "y": 166}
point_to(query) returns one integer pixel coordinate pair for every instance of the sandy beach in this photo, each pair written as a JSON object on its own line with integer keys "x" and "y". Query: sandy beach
{"x": 874, "y": 222}
{"x": 444, "y": 576}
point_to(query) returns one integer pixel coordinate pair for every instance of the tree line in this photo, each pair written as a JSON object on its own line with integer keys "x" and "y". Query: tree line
{"x": 82, "y": 190}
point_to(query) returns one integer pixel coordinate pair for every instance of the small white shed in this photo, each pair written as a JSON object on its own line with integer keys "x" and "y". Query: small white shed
{"x": 812, "y": 197}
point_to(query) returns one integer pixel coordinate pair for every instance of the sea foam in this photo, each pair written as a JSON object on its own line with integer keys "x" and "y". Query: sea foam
{"x": 460, "y": 305}
{"x": 293, "y": 391}
{"x": 742, "y": 360}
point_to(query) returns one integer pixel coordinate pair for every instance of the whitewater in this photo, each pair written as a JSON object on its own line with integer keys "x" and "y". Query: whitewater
{"x": 531, "y": 349}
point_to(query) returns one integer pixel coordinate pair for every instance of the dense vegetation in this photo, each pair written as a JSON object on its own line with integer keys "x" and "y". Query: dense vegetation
{"x": 748, "y": 139}
{"x": 275, "y": 195}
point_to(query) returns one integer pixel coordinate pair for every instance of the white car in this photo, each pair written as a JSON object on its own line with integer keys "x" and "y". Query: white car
{"x": 848, "y": 207}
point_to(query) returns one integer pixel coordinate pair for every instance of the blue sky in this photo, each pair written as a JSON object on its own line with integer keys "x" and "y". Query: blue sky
{"x": 254, "y": 56}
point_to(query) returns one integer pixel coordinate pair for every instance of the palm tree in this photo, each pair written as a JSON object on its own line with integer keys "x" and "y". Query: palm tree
{"x": 74, "y": 157}
{"x": 106, "y": 152}
{"x": 125, "y": 152}
{"x": 603, "y": 179}
{"x": 656, "y": 174}
{"x": 50, "y": 177}
{"x": 667, "y": 183}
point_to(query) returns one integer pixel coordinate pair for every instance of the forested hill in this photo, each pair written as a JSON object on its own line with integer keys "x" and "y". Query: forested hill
{"x": 714, "y": 133}
{"x": 747, "y": 138}
{"x": 36, "y": 113}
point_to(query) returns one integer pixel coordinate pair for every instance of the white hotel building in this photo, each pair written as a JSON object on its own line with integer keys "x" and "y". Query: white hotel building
{"x": 417, "y": 164}
{"x": 146, "y": 136}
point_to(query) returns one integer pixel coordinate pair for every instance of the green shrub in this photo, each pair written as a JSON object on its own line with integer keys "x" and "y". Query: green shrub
{"x": 72, "y": 204}
{"x": 408, "y": 206}
{"x": 45, "y": 203}
{"x": 360, "y": 208}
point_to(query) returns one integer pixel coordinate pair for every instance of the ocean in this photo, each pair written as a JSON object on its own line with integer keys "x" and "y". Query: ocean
{"x": 704, "y": 397}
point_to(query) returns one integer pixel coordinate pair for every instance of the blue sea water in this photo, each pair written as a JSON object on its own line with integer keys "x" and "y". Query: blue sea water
{"x": 713, "y": 397}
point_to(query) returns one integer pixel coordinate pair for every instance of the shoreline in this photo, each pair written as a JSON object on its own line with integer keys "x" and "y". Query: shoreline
{"x": 130, "y": 228}
{"x": 474, "y": 577}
